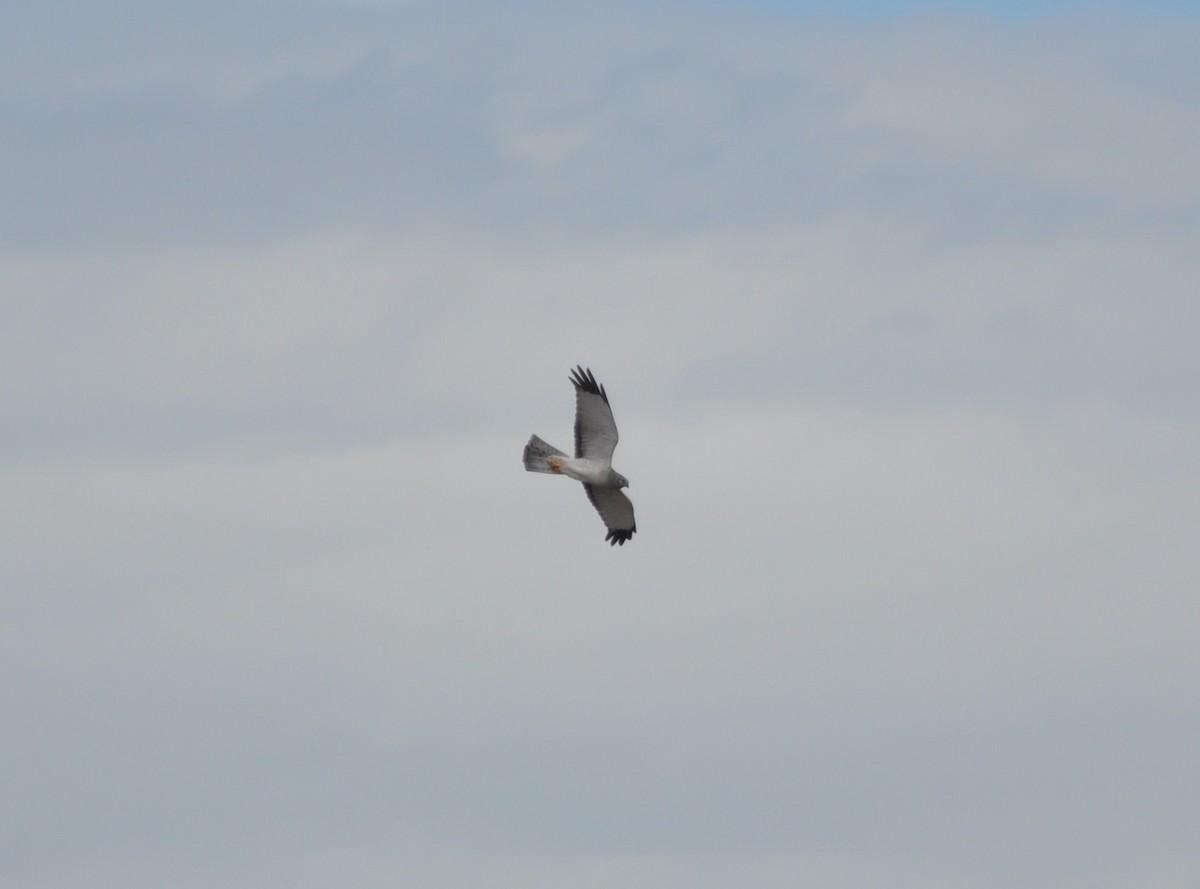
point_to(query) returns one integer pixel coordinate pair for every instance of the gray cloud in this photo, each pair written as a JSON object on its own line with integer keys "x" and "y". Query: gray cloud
{"x": 286, "y": 288}
{"x": 560, "y": 124}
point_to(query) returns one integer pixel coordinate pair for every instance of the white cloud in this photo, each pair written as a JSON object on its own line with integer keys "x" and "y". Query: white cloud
{"x": 847, "y": 594}
{"x": 1053, "y": 106}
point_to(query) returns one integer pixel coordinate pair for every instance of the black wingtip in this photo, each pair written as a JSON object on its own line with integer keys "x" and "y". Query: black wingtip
{"x": 619, "y": 536}
{"x": 585, "y": 380}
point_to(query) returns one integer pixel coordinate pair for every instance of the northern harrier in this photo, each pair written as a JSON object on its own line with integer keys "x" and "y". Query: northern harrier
{"x": 595, "y": 441}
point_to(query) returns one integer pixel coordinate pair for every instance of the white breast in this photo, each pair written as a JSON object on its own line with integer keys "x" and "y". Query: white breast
{"x": 590, "y": 472}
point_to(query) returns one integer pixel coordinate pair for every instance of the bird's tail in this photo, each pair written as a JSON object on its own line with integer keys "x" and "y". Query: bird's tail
{"x": 541, "y": 457}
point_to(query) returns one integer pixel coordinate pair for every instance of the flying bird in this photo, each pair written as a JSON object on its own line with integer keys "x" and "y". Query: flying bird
{"x": 595, "y": 441}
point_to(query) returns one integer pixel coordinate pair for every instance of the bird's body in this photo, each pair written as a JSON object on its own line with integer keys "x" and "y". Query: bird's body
{"x": 595, "y": 441}
{"x": 582, "y": 469}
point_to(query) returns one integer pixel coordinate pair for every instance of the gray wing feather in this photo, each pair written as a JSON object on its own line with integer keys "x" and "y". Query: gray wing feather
{"x": 616, "y": 510}
{"x": 595, "y": 428}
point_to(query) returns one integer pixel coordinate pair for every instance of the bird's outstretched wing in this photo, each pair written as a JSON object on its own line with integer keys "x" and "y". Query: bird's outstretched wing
{"x": 616, "y": 510}
{"x": 595, "y": 429}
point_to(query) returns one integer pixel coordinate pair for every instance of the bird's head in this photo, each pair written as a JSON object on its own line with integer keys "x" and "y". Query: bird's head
{"x": 622, "y": 482}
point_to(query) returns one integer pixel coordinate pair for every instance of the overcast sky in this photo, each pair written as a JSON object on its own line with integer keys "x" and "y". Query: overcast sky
{"x": 897, "y": 310}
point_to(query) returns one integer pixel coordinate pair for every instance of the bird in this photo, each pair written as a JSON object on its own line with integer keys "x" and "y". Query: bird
{"x": 595, "y": 441}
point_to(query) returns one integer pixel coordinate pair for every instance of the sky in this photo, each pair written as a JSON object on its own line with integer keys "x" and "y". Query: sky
{"x": 994, "y": 10}
{"x": 896, "y": 309}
